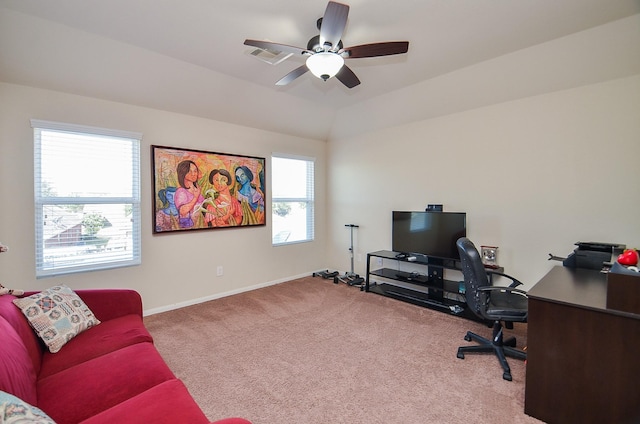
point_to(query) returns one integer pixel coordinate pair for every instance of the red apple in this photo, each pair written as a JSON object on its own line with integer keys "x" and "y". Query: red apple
{"x": 629, "y": 257}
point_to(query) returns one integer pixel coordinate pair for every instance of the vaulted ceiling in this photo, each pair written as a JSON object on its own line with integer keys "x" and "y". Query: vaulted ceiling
{"x": 188, "y": 56}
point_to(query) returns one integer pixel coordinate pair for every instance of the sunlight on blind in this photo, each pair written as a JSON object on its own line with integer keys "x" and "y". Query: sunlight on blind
{"x": 292, "y": 199}
{"x": 87, "y": 198}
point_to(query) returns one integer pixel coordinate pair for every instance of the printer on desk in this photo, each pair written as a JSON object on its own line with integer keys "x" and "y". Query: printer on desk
{"x": 592, "y": 255}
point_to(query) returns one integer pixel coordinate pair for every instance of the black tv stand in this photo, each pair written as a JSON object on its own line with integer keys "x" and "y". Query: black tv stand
{"x": 428, "y": 289}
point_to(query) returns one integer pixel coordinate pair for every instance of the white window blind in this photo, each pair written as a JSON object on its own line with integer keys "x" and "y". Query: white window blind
{"x": 87, "y": 198}
{"x": 292, "y": 200}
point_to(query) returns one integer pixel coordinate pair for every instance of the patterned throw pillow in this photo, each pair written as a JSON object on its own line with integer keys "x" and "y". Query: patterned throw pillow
{"x": 14, "y": 410}
{"x": 57, "y": 315}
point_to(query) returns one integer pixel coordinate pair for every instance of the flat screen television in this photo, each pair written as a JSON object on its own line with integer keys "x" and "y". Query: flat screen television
{"x": 429, "y": 233}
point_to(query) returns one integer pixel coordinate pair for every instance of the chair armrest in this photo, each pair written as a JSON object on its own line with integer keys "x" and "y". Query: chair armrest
{"x": 485, "y": 294}
{"x": 515, "y": 282}
{"x": 107, "y": 304}
{"x": 507, "y": 289}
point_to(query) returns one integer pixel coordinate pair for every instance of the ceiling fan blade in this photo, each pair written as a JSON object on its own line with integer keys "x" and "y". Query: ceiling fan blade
{"x": 377, "y": 49}
{"x": 347, "y": 77}
{"x": 267, "y": 45}
{"x": 293, "y": 75}
{"x": 333, "y": 24}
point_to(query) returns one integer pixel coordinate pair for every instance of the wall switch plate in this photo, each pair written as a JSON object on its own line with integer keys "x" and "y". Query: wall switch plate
{"x": 219, "y": 271}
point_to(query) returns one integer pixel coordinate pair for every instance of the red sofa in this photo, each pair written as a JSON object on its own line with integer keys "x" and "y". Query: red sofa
{"x": 111, "y": 373}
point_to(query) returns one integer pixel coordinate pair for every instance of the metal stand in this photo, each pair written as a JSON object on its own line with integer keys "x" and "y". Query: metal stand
{"x": 350, "y": 278}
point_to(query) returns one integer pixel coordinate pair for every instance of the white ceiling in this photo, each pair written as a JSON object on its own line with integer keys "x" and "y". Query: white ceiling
{"x": 188, "y": 56}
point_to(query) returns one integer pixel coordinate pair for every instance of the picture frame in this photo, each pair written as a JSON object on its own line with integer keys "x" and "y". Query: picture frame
{"x": 490, "y": 256}
{"x": 201, "y": 190}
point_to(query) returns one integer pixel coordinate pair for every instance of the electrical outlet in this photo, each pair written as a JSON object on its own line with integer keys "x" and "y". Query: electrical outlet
{"x": 219, "y": 271}
{"x": 379, "y": 261}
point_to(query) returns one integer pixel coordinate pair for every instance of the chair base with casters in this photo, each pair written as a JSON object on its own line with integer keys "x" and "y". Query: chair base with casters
{"x": 501, "y": 348}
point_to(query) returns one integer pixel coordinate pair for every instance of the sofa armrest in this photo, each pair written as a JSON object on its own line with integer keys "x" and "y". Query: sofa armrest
{"x": 107, "y": 304}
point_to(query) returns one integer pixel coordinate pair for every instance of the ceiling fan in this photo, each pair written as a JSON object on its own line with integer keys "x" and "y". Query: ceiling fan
{"x": 325, "y": 52}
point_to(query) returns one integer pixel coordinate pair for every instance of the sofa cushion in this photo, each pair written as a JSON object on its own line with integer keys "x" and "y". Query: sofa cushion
{"x": 16, "y": 411}
{"x": 105, "y": 338}
{"x": 57, "y": 315}
{"x": 107, "y": 304}
{"x": 17, "y": 375}
{"x": 167, "y": 403}
{"x": 14, "y": 316}
{"x": 93, "y": 386}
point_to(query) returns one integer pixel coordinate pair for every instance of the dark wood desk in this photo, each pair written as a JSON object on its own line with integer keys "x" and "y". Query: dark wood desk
{"x": 583, "y": 360}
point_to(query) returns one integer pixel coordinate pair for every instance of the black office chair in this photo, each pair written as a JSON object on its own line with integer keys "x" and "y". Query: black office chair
{"x": 491, "y": 303}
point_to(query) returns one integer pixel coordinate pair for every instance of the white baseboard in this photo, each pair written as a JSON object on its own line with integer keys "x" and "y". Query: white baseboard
{"x": 191, "y": 302}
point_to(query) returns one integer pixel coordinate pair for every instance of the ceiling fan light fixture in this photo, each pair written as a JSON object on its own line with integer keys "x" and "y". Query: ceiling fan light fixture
{"x": 325, "y": 53}
{"x": 325, "y": 65}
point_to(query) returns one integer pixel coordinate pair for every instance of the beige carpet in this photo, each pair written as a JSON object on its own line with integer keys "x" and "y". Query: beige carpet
{"x": 312, "y": 352}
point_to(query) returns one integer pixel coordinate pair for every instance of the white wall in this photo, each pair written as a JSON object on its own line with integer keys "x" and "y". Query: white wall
{"x": 602, "y": 53}
{"x": 176, "y": 268}
{"x": 534, "y": 175}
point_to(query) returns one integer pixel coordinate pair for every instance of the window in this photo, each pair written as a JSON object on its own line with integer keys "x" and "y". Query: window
{"x": 292, "y": 201}
{"x": 87, "y": 198}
